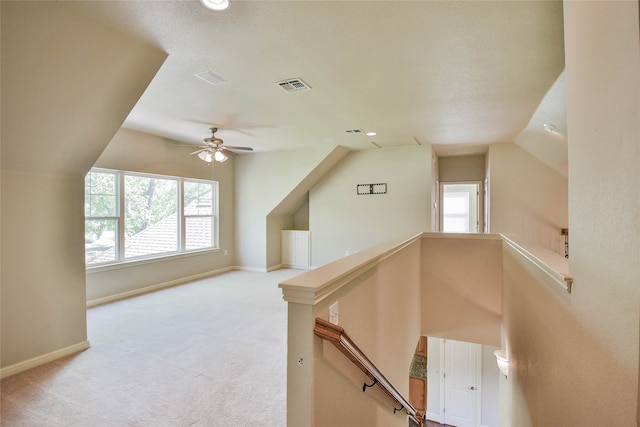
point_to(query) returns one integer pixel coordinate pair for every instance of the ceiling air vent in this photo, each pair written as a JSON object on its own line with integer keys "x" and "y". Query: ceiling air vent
{"x": 354, "y": 131}
{"x": 293, "y": 85}
{"x": 210, "y": 77}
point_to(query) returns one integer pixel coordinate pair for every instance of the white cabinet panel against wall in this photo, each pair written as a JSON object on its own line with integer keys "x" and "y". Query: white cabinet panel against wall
{"x": 296, "y": 250}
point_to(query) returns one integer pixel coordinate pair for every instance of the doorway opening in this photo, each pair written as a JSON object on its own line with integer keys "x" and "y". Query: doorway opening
{"x": 461, "y": 207}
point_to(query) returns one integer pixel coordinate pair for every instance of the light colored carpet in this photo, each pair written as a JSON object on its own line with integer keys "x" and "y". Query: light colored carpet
{"x": 207, "y": 353}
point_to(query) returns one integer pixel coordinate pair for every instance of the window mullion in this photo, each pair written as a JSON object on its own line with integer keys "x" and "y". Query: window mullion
{"x": 182, "y": 221}
{"x": 215, "y": 215}
{"x": 120, "y": 220}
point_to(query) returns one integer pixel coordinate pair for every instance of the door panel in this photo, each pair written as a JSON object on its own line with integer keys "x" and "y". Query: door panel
{"x": 461, "y": 359}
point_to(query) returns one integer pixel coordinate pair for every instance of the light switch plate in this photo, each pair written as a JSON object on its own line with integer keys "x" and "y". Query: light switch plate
{"x": 333, "y": 313}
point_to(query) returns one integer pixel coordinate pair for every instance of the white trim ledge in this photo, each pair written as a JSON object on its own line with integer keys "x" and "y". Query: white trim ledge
{"x": 554, "y": 265}
{"x": 132, "y": 263}
{"x": 16, "y": 368}
{"x": 315, "y": 285}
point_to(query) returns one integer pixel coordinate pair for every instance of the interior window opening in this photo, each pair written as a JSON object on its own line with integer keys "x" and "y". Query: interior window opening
{"x": 461, "y": 207}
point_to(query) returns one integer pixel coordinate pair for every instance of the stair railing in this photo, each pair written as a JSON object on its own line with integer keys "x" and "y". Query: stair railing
{"x": 338, "y": 337}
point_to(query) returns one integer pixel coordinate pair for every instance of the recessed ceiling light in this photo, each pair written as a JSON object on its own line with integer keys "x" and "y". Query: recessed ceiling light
{"x": 549, "y": 127}
{"x": 371, "y": 134}
{"x": 215, "y": 4}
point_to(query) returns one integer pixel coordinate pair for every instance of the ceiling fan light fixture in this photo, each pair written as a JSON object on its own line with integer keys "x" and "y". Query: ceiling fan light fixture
{"x": 215, "y": 4}
{"x": 206, "y": 156}
{"x": 219, "y": 156}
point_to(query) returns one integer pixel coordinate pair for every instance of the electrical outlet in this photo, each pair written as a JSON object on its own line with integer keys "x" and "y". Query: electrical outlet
{"x": 333, "y": 313}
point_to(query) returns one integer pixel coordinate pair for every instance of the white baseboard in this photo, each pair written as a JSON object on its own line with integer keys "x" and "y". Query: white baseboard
{"x": 296, "y": 267}
{"x": 250, "y": 269}
{"x": 41, "y": 360}
{"x": 275, "y": 267}
{"x": 146, "y": 289}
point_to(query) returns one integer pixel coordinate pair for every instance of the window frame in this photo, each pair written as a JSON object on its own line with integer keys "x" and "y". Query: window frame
{"x": 213, "y": 215}
{"x": 115, "y": 217}
{"x": 181, "y": 250}
{"x": 478, "y": 208}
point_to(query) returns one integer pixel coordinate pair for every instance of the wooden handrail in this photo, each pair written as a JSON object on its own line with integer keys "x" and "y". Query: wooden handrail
{"x": 339, "y": 338}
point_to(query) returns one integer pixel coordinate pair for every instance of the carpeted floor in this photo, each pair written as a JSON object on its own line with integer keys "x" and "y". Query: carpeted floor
{"x": 207, "y": 353}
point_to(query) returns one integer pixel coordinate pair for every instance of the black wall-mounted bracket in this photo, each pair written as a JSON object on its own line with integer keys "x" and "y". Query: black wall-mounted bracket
{"x": 363, "y": 189}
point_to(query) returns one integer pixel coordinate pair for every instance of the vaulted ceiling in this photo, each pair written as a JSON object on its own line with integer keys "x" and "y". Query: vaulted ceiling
{"x": 455, "y": 74}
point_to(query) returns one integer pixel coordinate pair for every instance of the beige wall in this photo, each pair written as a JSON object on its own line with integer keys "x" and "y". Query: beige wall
{"x": 67, "y": 85}
{"x": 140, "y": 152}
{"x": 527, "y": 197}
{"x": 461, "y": 168}
{"x": 340, "y": 220}
{"x": 575, "y": 358}
{"x": 301, "y": 217}
{"x": 43, "y": 291}
{"x": 461, "y": 292}
{"x": 273, "y": 184}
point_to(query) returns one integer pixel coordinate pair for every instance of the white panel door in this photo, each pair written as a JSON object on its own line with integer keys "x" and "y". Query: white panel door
{"x": 302, "y": 243}
{"x": 460, "y": 383}
{"x": 296, "y": 248}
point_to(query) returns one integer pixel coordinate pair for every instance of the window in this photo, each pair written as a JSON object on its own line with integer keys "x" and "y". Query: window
{"x": 460, "y": 207}
{"x": 198, "y": 215}
{"x": 101, "y": 217}
{"x": 150, "y": 215}
{"x": 130, "y": 216}
{"x": 455, "y": 212}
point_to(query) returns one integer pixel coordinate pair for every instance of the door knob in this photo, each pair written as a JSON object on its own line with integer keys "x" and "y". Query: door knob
{"x": 472, "y": 388}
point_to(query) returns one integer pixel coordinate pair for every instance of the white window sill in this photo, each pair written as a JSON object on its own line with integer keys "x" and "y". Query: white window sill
{"x": 141, "y": 261}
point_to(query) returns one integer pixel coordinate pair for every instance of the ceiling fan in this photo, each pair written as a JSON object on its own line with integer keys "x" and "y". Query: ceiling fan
{"x": 212, "y": 149}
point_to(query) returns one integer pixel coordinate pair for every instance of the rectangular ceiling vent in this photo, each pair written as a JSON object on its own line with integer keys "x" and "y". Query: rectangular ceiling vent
{"x": 293, "y": 85}
{"x": 354, "y": 131}
{"x": 210, "y": 78}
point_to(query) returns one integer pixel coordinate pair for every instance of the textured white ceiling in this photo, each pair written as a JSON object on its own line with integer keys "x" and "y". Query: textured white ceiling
{"x": 442, "y": 72}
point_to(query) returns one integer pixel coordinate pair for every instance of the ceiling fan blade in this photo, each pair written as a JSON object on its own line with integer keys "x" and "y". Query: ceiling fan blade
{"x": 225, "y": 150}
{"x": 231, "y": 147}
{"x": 200, "y": 150}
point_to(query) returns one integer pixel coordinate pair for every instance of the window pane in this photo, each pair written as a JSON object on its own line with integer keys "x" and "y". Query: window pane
{"x": 197, "y": 198}
{"x": 455, "y": 225}
{"x": 100, "y": 240}
{"x": 100, "y": 194}
{"x": 456, "y": 203}
{"x": 151, "y": 224}
{"x": 198, "y": 233}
